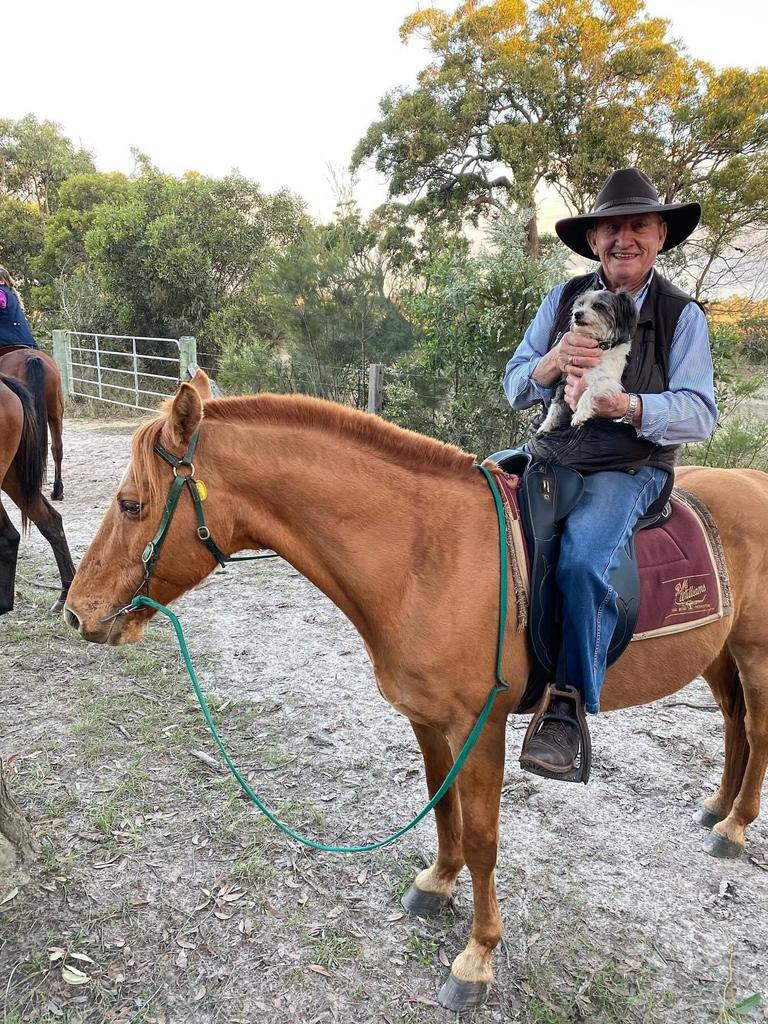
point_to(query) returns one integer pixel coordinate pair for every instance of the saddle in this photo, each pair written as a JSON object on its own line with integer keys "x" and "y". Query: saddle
{"x": 546, "y": 494}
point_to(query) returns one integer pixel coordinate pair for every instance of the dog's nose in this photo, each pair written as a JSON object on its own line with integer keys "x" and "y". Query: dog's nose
{"x": 579, "y": 318}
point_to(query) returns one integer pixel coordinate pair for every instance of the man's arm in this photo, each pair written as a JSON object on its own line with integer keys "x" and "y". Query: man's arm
{"x": 520, "y": 386}
{"x": 687, "y": 411}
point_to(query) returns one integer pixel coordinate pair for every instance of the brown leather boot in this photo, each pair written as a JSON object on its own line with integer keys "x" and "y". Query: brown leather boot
{"x": 555, "y": 746}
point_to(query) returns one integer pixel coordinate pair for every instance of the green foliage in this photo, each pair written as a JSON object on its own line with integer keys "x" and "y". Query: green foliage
{"x": 472, "y": 316}
{"x": 63, "y": 251}
{"x": 325, "y": 299}
{"x": 176, "y": 250}
{"x": 35, "y": 158}
{"x": 21, "y": 239}
{"x": 740, "y": 438}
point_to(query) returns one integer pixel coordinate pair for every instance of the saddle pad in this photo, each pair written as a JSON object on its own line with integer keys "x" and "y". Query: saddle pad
{"x": 683, "y": 575}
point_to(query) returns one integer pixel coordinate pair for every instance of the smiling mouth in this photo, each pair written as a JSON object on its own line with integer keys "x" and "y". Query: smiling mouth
{"x": 625, "y": 255}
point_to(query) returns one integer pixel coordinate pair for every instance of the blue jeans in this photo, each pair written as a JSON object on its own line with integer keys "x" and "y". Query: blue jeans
{"x": 594, "y": 533}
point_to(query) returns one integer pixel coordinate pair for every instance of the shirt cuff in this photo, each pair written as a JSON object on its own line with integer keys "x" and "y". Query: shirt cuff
{"x": 653, "y": 422}
{"x": 545, "y": 393}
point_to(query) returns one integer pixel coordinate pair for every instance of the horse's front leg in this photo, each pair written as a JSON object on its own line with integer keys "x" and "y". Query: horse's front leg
{"x": 480, "y": 794}
{"x": 432, "y": 888}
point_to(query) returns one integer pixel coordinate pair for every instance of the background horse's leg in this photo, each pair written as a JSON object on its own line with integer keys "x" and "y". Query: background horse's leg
{"x": 9, "y": 549}
{"x": 55, "y": 423}
{"x": 432, "y": 887}
{"x": 725, "y": 683}
{"x": 727, "y": 838}
{"x": 48, "y": 521}
{"x": 480, "y": 793}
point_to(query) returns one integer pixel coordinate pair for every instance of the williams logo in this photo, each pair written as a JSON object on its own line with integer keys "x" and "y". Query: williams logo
{"x": 690, "y": 597}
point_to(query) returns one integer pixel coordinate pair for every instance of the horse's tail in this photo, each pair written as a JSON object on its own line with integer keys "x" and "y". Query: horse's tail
{"x": 36, "y": 385}
{"x": 30, "y": 458}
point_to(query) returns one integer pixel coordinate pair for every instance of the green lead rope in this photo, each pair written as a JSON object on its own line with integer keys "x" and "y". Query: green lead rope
{"x": 500, "y": 685}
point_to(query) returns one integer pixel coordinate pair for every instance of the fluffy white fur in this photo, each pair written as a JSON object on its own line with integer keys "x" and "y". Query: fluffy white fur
{"x": 614, "y": 317}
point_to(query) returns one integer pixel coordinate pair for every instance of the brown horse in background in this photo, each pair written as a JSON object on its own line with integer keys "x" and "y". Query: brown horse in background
{"x": 22, "y": 471}
{"x": 400, "y": 532}
{"x": 41, "y": 375}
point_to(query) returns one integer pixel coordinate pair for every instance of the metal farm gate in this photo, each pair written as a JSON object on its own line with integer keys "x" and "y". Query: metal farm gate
{"x": 134, "y": 372}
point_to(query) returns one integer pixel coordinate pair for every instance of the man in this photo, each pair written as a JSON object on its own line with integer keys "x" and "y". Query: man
{"x": 627, "y": 452}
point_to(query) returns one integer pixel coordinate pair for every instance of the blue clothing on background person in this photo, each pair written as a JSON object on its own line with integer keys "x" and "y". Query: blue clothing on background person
{"x": 686, "y": 412}
{"x": 14, "y": 329}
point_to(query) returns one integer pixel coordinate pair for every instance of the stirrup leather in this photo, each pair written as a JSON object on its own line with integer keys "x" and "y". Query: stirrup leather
{"x": 583, "y": 763}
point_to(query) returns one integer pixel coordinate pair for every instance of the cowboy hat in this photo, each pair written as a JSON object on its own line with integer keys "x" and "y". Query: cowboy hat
{"x": 629, "y": 191}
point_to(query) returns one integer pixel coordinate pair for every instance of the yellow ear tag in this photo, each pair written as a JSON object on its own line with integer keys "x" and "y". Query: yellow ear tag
{"x": 202, "y": 490}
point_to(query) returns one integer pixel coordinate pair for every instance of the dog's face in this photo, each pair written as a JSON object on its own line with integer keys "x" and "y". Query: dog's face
{"x": 607, "y": 316}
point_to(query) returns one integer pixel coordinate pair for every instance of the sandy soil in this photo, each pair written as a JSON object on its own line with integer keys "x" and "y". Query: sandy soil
{"x": 611, "y": 909}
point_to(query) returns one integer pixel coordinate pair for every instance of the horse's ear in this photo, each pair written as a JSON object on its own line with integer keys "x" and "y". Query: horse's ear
{"x": 186, "y": 414}
{"x": 202, "y": 384}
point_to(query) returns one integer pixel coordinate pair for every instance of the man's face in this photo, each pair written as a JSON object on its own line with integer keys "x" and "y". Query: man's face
{"x": 627, "y": 247}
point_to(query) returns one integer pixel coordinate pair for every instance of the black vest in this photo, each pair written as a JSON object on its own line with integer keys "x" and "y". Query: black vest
{"x": 602, "y": 444}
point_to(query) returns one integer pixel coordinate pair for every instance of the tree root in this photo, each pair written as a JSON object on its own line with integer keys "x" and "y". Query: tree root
{"x": 17, "y": 850}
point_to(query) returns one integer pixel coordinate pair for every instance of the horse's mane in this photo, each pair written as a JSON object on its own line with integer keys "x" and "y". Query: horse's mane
{"x": 404, "y": 446}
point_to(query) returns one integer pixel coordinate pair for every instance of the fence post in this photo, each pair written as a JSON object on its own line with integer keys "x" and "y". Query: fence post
{"x": 375, "y": 385}
{"x": 60, "y": 356}
{"x": 187, "y": 354}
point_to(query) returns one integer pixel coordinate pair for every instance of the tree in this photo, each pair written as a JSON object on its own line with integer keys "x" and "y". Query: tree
{"x": 518, "y": 95}
{"x": 562, "y": 92}
{"x": 176, "y": 251}
{"x": 63, "y": 250}
{"x": 21, "y": 240}
{"x": 472, "y": 315}
{"x": 35, "y": 158}
{"x": 328, "y": 296}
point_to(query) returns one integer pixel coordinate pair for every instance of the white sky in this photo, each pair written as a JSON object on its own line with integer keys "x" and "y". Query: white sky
{"x": 278, "y": 90}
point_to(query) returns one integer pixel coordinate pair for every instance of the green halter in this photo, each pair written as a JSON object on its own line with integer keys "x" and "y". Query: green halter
{"x": 151, "y": 552}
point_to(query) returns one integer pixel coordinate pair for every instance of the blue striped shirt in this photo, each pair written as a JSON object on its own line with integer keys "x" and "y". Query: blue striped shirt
{"x": 686, "y": 412}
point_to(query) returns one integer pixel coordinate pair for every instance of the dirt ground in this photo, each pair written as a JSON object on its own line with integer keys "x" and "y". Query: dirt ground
{"x": 162, "y": 896}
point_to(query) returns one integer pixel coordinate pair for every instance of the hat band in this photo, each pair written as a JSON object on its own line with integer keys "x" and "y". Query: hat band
{"x": 642, "y": 200}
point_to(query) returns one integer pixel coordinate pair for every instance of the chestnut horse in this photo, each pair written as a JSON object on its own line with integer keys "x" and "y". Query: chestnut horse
{"x": 40, "y": 373}
{"x": 400, "y": 531}
{"x": 22, "y": 471}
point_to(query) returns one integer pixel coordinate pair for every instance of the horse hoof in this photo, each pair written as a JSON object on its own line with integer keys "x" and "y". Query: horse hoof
{"x": 423, "y": 904}
{"x": 462, "y": 995}
{"x": 724, "y": 849}
{"x": 706, "y": 818}
{"x": 57, "y": 495}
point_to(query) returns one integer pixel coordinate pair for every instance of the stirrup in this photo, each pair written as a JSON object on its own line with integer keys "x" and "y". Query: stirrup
{"x": 583, "y": 763}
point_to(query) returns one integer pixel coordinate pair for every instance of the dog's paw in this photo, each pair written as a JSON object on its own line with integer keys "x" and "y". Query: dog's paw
{"x": 580, "y": 418}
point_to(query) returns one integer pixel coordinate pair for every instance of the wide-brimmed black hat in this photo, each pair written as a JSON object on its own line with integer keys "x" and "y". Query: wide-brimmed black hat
{"x": 629, "y": 191}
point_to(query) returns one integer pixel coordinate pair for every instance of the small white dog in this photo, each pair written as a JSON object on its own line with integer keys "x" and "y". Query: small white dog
{"x": 611, "y": 317}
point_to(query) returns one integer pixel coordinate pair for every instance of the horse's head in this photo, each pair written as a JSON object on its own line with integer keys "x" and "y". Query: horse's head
{"x": 112, "y": 570}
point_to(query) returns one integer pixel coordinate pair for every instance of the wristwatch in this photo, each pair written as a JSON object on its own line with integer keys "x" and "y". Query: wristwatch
{"x": 629, "y": 415}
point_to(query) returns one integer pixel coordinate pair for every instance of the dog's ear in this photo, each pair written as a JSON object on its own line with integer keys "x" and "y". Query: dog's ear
{"x": 626, "y": 315}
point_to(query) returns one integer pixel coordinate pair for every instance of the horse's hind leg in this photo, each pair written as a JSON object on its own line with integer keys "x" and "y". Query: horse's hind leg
{"x": 728, "y": 836}
{"x": 480, "y": 792}
{"x": 48, "y": 521}
{"x": 433, "y": 887}
{"x": 57, "y": 451}
{"x": 723, "y": 679}
{"x": 9, "y": 549}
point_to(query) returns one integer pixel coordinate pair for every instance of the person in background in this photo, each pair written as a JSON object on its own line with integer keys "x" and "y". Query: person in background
{"x": 14, "y": 329}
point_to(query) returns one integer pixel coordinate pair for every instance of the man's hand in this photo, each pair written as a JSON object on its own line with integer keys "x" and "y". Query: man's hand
{"x": 607, "y": 408}
{"x": 572, "y": 352}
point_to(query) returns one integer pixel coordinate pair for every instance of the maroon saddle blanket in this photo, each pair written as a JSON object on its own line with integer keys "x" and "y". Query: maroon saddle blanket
{"x": 683, "y": 575}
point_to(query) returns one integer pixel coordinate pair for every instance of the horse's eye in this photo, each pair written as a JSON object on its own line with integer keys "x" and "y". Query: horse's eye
{"x": 130, "y": 508}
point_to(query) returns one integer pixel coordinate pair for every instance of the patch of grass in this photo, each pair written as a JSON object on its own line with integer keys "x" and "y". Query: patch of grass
{"x": 106, "y": 816}
{"x": 421, "y": 948}
{"x": 330, "y": 950}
